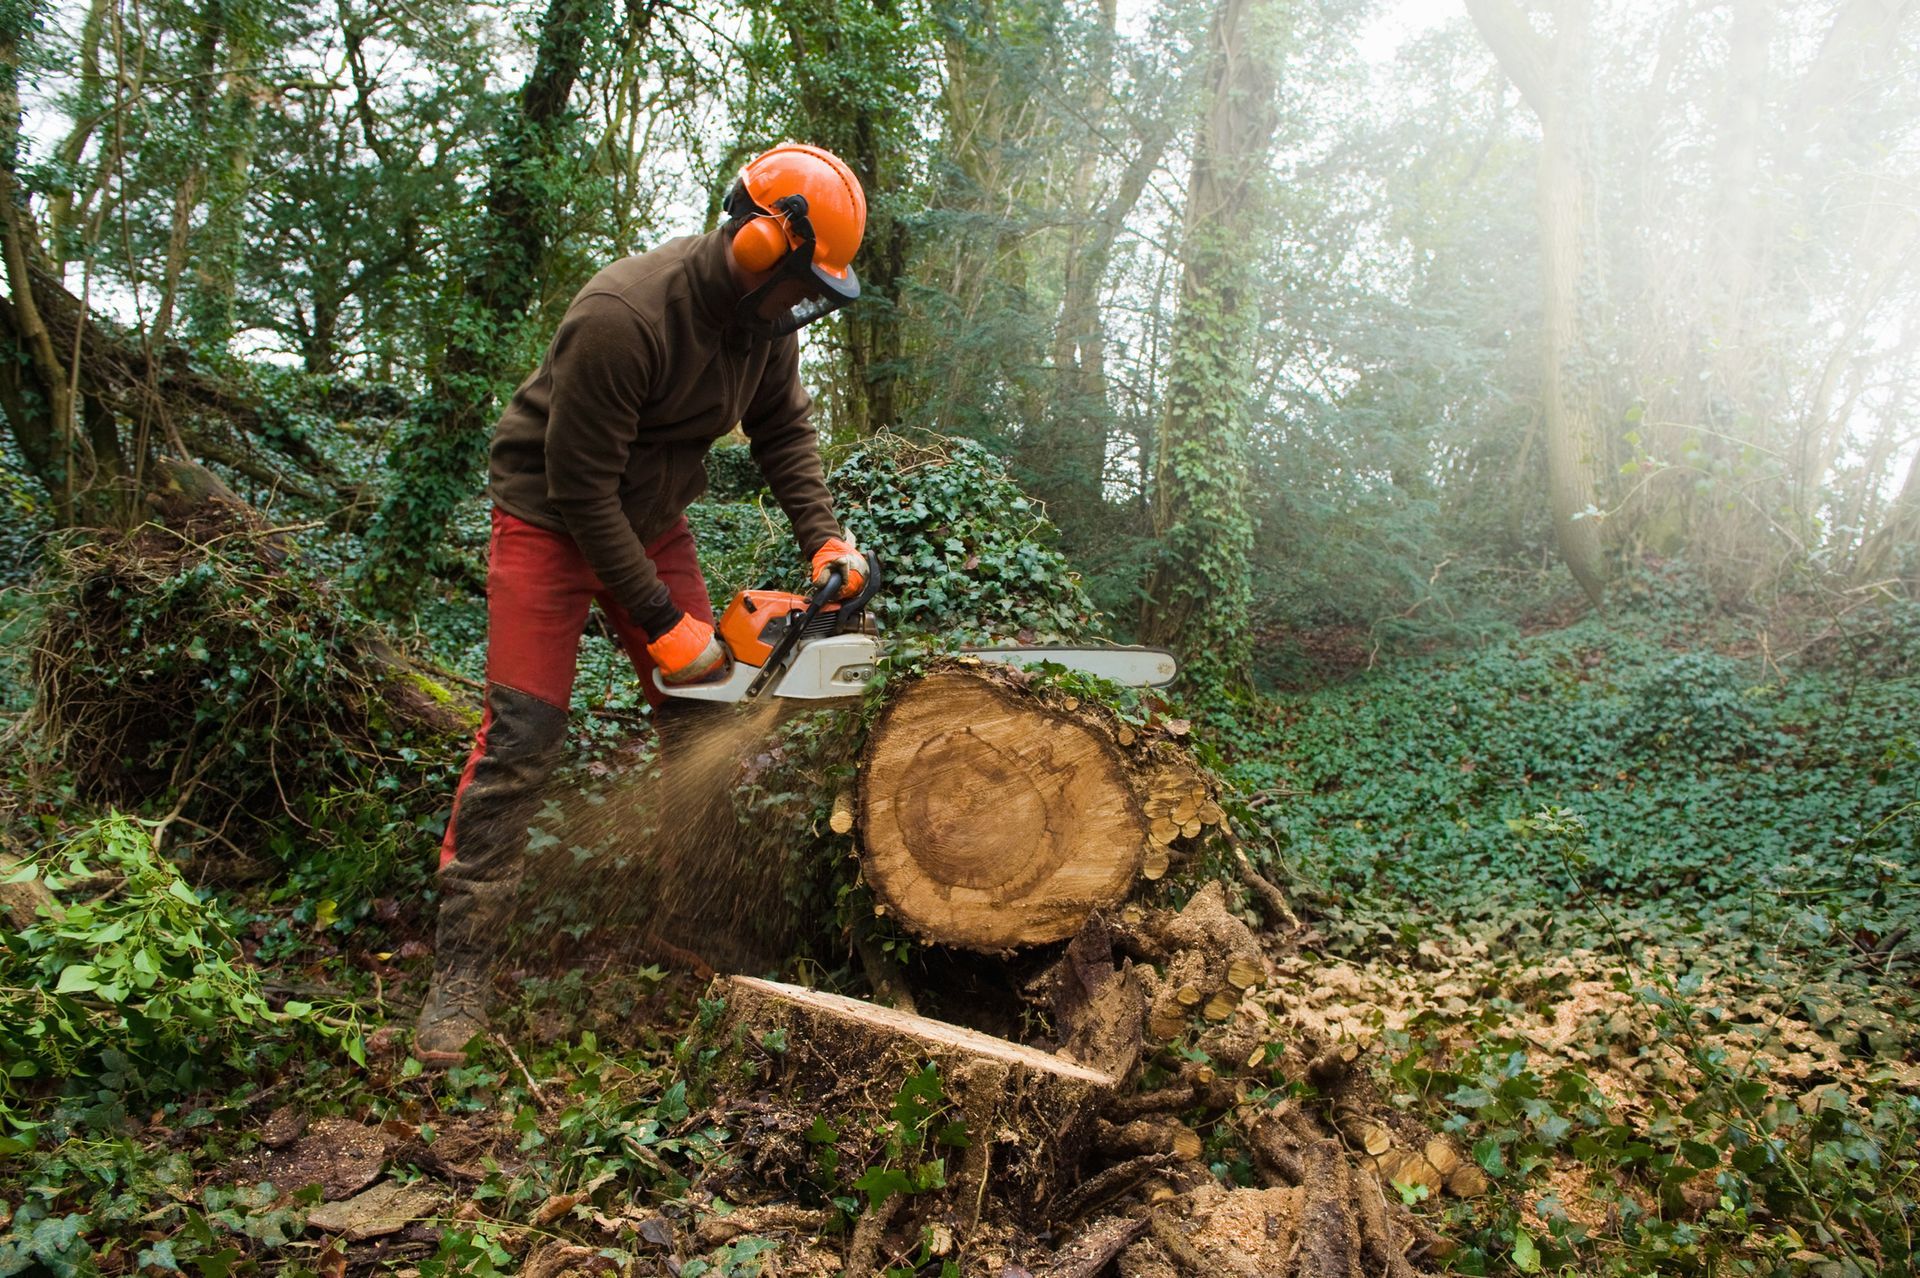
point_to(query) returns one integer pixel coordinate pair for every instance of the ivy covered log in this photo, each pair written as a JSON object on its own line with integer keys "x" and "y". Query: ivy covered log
{"x": 198, "y": 667}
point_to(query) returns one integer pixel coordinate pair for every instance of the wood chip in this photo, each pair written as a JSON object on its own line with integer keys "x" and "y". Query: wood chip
{"x": 1186, "y": 809}
{"x": 1164, "y": 831}
{"x": 1191, "y": 829}
{"x": 1211, "y": 813}
{"x": 1221, "y": 1005}
{"x": 1404, "y": 1167}
{"x": 1165, "y": 1027}
{"x": 1189, "y": 996}
{"x": 1244, "y": 975}
{"x": 1155, "y": 864}
{"x": 1441, "y": 1153}
{"x": 841, "y": 822}
{"x": 385, "y": 1209}
{"x": 1467, "y": 1181}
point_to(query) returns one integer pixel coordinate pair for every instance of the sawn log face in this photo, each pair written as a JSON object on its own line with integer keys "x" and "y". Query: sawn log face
{"x": 991, "y": 820}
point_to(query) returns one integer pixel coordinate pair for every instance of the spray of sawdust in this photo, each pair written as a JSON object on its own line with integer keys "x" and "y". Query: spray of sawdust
{"x": 652, "y": 845}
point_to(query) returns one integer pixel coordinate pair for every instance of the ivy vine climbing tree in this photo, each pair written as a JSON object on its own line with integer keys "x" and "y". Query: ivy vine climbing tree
{"x": 1198, "y": 592}
{"x": 440, "y": 456}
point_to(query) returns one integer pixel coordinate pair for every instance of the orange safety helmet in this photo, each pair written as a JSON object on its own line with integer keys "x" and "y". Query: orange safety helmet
{"x": 799, "y": 212}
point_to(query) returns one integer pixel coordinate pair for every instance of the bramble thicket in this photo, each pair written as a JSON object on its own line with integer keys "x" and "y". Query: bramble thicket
{"x": 1505, "y": 413}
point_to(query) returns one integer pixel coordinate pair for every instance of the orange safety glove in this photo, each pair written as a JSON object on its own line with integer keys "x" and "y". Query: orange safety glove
{"x": 835, "y": 551}
{"x": 688, "y": 653}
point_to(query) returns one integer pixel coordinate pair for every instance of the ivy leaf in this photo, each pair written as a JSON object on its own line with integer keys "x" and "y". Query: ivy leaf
{"x": 1526, "y": 1256}
{"x": 882, "y": 1183}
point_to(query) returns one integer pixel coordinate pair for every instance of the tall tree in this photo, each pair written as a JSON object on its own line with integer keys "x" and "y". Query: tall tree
{"x": 1554, "y": 77}
{"x": 439, "y": 457}
{"x": 1198, "y": 591}
{"x": 847, "y": 75}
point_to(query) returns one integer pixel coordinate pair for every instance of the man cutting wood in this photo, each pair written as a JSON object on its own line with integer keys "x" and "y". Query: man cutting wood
{"x": 593, "y": 465}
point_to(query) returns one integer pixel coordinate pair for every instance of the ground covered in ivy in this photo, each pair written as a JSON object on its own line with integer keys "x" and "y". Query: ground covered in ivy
{"x": 1627, "y": 904}
{"x": 1631, "y": 905}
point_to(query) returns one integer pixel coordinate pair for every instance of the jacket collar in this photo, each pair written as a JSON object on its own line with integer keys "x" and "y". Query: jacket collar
{"x": 710, "y": 279}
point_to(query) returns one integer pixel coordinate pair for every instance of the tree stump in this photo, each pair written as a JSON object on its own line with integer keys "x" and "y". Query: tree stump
{"x": 992, "y": 819}
{"x": 1029, "y": 1114}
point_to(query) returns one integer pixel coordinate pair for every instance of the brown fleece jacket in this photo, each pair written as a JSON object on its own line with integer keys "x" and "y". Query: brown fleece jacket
{"x": 607, "y": 441}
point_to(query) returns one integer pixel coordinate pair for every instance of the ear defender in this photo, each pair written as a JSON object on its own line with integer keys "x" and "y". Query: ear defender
{"x": 762, "y": 239}
{"x": 759, "y": 244}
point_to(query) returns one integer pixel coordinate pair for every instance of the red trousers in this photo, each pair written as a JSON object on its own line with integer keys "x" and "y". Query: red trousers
{"x": 539, "y": 589}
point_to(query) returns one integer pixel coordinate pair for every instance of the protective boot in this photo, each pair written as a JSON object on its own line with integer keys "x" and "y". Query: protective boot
{"x": 520, "y": 742}
{"x": 455, "y": 1010}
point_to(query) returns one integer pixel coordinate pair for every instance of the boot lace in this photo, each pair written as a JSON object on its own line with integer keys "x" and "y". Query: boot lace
{"x": 460, "y": 991}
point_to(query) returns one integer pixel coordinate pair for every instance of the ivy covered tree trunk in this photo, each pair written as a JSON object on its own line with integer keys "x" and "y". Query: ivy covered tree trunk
{"x": 439, "y": 457}
{"x": 1198, "y": 591}
{"x": 67, "y": 436}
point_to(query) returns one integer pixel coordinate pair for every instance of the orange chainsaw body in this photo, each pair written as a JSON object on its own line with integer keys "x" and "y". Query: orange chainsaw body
{"x": 748, "y": 626}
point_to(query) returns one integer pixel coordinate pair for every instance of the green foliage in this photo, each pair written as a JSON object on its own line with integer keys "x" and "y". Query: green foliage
{"x": 1734, "y": 845}
{"x": 742, "y": 544}
{"x": 967, "y": 556}
{"x": 136, "y": 992}
{"x": 902, "y": 1153}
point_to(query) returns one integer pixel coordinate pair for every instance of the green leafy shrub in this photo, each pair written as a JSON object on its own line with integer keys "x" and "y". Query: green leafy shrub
{"x": 137, "y": 990}
{"x": 1697, "y": 701}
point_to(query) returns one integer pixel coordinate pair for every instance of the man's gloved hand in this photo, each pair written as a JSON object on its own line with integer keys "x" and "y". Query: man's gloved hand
{"x": 835, "y": 551}
{"x": 689, "y": 653}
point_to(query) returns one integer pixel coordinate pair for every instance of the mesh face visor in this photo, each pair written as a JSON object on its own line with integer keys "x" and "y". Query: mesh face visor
{"x": 799, "y": 291}
{"x": 797, "y": 294}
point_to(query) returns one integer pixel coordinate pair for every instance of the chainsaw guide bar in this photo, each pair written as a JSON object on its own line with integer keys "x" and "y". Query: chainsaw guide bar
{"x": 820, "y": 647}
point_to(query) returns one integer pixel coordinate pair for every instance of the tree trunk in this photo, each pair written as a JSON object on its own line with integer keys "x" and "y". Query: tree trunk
{"x": 439, "y": 458}
{"x": 210, "y": 26}
{"x": 1554, "y": 79}
{"x": 1894, "y": 547}
{"x": 991, "y": 818}
{"x": 1199, "y": 593}
{"x": 861, "y": 52}
{"x": 212, "y": 313}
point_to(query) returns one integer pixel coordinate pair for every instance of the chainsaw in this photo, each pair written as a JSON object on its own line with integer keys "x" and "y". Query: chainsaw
{"x": 819, "y": 646}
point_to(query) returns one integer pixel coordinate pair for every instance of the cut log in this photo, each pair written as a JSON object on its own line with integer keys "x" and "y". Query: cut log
{"x": 1029, "y": 1115}
{"x": 993, "y": 820}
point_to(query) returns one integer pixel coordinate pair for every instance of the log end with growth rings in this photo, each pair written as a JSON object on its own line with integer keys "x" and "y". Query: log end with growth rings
{"x": 991, "y": 820}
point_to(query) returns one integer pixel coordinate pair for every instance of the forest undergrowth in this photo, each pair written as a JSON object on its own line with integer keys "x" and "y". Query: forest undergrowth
{"x": 1628, "y": 904}
{"x": 1632, "y": 905}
